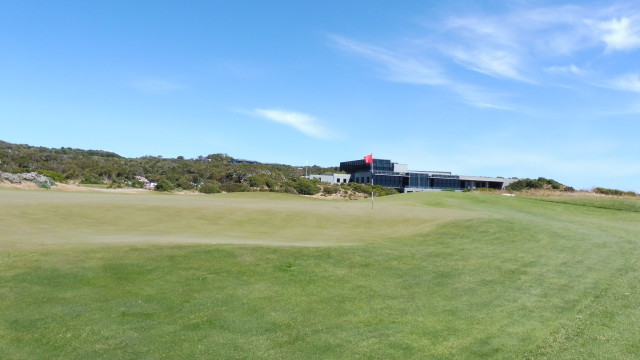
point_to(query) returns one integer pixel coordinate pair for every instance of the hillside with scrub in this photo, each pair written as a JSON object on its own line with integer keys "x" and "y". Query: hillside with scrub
{"x": 440, "y": 275}
{"x": 209, "y": 174}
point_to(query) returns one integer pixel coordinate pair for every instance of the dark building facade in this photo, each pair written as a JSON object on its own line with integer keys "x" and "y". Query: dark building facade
{"x": 378, "y": 166}
{"x": 393, "y": 175}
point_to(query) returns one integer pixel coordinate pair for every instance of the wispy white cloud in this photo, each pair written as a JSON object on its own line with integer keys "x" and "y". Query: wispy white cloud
{"x": 484, "y": 45}
{"x": 481, "y": 98}
{"x": 492, "y": 62}
{"x": 621, "y": 33}
{"x": 626, "y": 82}
{"x": 566, "y": 69}
{"x": 395, "y": 66}
{"x": 304, "y": 123}
{"x": 558, "y": 31}
{"x": 518, "y": 44}
{"x": 156, "y": 86}
{"x": 552, "y": 46}
{"x": 404, "y": 68}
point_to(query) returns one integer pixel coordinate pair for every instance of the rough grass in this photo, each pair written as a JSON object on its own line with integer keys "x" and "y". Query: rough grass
{"x": 625, "y": 203}
{"x": 264, "y": 276}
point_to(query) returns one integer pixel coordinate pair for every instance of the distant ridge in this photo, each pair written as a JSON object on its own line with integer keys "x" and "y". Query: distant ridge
{"x": 61, "y": 151}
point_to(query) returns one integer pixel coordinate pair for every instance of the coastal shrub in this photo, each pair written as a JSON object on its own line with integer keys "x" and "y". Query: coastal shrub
{"x": 306, "y": 187}
{"x": 289, "y": 189}
{"x": 184, "y": 184}
{"x": 331, "y": 189}
{"x": 532, "y": 184}
{"x": 45, "y": 183}
{"x": 613, "y": 192}
{"x": 56, "y": 176}
{"x": 137, "y": 183}
{"x": 260, "y": 180}
{"x": 210, "y": 187}
{"x": 117, "y": 183}
{"x": 164, "y": 185}
{"x": 377, "y": 190}
{"x": 234, "y": 187}
{"x": 91, "y": 178}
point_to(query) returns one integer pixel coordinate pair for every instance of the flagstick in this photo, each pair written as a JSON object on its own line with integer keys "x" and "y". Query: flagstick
{"x": 371, "y": 184}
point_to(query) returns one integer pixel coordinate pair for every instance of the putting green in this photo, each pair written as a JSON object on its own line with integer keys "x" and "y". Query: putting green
{"x": 50, "y": 218}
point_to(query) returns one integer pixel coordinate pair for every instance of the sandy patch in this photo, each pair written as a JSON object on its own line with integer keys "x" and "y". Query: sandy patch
{"x": 67, "y": 187}
{"x": 189, "y": 240}
{"x": 23, "y": 186}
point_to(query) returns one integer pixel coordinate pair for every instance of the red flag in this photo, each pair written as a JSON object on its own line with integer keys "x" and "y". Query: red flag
{"x": 368, "y": 159}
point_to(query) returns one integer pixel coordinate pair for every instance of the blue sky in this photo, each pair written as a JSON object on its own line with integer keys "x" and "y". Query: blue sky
{"x": 514, "y": 88}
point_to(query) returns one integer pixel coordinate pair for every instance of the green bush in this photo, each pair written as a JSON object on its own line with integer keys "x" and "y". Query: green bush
{"x": 613, "y": 192}
{"x": 331, "y": 189}
{"x": 137, "y": 184}
{"x": 184, "y": 184}
{"x": 91, "y": 178}
{"x": 45, "y": 183}
{"x": 289, "y": 190}
{"x": 260, "y": 180}
{"x": 234, "y": 187}
{"x": 210, "y": 187}
{"x": 117, "y": 183}
{"x": 539, "y": 183}
{"x": 165, "y": 185}
{"x": 306, "y": 187}
{"x": 367, "y": 189}
{"x": 56, "y": 176}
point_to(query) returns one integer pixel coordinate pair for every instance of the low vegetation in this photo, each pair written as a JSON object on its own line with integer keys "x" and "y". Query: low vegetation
{"x": 539, "y": 183}
{"x": 354, "y": 190}
{"x": 613, "y": 192}
{"x": 542, "y": 185}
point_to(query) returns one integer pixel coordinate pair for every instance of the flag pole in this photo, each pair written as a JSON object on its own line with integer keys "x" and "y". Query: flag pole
{"x": 372, "y": 183}
{"x": 369, "y": 160}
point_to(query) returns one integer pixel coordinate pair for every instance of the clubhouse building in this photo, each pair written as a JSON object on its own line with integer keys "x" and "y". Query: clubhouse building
{"x": 393, "y": 175}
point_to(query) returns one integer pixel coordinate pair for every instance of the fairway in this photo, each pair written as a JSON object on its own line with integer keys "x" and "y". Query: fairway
{"x": 439, "y": 275}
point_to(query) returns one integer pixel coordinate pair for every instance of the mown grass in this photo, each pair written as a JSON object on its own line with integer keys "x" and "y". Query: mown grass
{"x": 432, "y": 275}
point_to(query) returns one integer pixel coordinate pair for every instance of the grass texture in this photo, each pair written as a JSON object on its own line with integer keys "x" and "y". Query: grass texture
{"x": 271, "y": 276}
